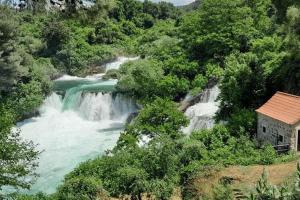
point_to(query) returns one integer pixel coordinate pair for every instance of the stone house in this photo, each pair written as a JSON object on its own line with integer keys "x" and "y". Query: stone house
{"x": 279, "y": 121}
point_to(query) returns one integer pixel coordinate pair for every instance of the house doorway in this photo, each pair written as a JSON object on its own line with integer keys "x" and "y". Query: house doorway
{"x": 298, "y": 142}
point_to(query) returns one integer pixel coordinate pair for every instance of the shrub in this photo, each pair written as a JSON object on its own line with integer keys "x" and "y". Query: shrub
{"x": 172, "y": 87}
{"x": 242, "y": 121}
{"x": 81, "y": 188}
{"x": 55, "y": 34}
{"x": 139, "y": 78}
{"x": 107, "y": 32}
{"x": 268, "y": 155}
{"x": 199, "y": 84}
{"x": 222, "y": 192}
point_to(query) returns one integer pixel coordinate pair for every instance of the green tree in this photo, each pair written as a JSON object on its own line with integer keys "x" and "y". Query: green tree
{"x": 8, "y": 58}
{"x": 55, "y": 34}
{"x": 143, "y": 20}
{"x": 132, "y": 181}
{"x": 242, "y": 122}
{"x": 107, "y": 32}
{"x": 161, "y": 117}
{"x": 172, "y": 87}
{"x": 243, "y": 84}
{"x": 81, "y": 188}
{"x": 28, "y": 97}
{"x": 218, "y": 28}
{"x": 17, "y": 157}
{"x": 151, "y": 8}
{"x": 139, "y": 78}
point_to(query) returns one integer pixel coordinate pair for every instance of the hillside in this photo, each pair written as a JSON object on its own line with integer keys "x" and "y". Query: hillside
{"x": 192, "y": 6}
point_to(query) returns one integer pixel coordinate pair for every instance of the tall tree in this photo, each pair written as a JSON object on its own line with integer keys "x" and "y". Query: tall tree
{"x": 9, "y": 60}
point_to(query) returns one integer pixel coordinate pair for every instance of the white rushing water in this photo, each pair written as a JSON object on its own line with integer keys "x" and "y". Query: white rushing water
{"x": 201, "y": 114}
{"x": 79, "y": 126}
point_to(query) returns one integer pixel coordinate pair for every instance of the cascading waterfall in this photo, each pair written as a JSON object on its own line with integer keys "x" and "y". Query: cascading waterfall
{"x": 201, "y": 114}
{"x": 76, "y": 126}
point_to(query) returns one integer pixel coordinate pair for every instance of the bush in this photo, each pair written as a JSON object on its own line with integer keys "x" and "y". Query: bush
{"x": 39, "y": 196}
{"x": 27, "y": 98}
{"x": 243, "y": 122}
{"x": 144, "y": 20}
{"x": 161, "y": 117}
{"x": 269, "y": 155}
{"x": 107, "y": 32}
{"x": 81, "y": 188}
{"x": 128, "y": 28}
{"x": 139, "y": 78}
{"x": 198, "y": 84}
{"x": 111, "y": 74}
{"x": 55, "y": 34}
{"x": 172, "y": 87}
{"x": 222, "y": 192}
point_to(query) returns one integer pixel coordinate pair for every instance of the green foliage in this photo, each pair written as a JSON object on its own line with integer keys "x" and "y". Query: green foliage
{"x": 213, "y": 71}
{"x": 8, "y": 57}
{"x": 223, "y": 192}
{"x": 199, "y": 83}
{"x": 138, "y": 78}
{"x": 17, "y": 156}
{"x": 281, "y": 8}
{"x": 129, "y": 28}
{"x": 134, "y": 171}
{"x": 231, "y": 150}
{"x": 236, "y": 42}
{"x": 143, "y": 20}
{"x": 106, "y": 32}
{"x": 55, "y": 34}
{"x": 172, "y": 87}
{"x": 265, "y": 191}
{"x": 162, "y": 49}
{"x": 161, "y": 117}
{"x": 111, "y": 74}
{"x": 243, "y": 84}
{"x": 81, "y": 188}
{"x": 269, "y": 155}
{"x": 38, "y": 196}
{"x": 28, "y": 97}
{"x": 78, "y": 53}
{"x": 180, "y": 66}
{"x": 232, "y": 29}
{"x": 242, "y": 122}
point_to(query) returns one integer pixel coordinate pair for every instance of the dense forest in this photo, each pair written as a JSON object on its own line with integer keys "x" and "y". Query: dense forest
{"x": 251, "y": 49}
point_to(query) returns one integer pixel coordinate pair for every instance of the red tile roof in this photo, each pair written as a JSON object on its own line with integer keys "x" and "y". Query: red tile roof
{"x": 283, "y": 107}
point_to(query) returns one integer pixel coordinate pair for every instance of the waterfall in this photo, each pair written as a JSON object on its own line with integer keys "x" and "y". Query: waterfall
{"x": 201, "y": 114}
{"x": 76, "y": 126}
{"x": 118, "y": 62}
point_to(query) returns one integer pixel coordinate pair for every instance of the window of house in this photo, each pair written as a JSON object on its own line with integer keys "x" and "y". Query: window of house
{"x": 264, "y": 129}
{"x": 280, "y": 138}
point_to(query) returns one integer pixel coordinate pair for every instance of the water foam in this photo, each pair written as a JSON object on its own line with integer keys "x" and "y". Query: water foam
{"x": 202, "y": 114}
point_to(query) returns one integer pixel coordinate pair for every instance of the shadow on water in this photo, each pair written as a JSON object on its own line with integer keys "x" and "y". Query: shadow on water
{"x": 26, "y": 121}
{"x": 114, "y": 127}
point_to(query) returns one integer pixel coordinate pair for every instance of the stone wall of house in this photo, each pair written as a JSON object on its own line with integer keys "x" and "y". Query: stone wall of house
{"x": 273, "y": 129}
{"x": 296, "y": 127}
